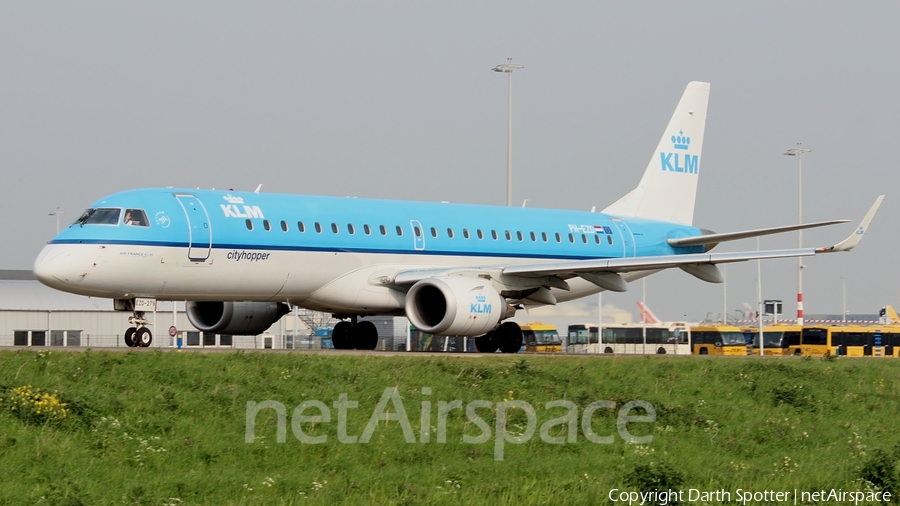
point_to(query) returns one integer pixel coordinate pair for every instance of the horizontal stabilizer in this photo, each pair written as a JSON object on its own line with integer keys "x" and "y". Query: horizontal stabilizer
{"x": 733, "y": 236}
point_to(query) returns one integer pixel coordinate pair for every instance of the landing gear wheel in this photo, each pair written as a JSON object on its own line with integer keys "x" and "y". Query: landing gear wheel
{"x": 342, "y": 337}
{"x": 509, "y": 336}
{"x": 365, "y": 336}
{"x": 143, "y": 337}
{"x": 129, "y": 337}
{"x": 486, "y": 343}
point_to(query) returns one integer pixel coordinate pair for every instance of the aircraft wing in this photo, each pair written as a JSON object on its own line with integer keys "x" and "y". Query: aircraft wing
{"x": 648, "y": 263}
{"x": 605, "y": 272}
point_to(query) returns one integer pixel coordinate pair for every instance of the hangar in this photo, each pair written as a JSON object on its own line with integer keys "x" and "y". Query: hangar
{"x": 34, "y": 315}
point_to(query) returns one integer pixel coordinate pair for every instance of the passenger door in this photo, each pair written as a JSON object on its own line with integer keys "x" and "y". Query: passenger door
{"x": 627, "y": 237}
{"x": 199, "y": 230}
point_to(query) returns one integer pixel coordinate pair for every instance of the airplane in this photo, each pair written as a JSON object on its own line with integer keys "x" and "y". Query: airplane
{"x": 649, "y": 317}
{"x": 241, "y": 260}
{"x": 889, "y": 315}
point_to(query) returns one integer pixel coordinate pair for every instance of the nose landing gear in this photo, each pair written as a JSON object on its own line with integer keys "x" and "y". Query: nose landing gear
{"x": 138, "y": 335}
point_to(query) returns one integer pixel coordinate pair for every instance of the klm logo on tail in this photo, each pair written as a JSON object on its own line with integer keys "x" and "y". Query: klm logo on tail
{"x": 680, "y": 162}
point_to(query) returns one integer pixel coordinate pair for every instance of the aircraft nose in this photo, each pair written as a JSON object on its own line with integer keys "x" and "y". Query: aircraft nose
{"x": 50, "y": 266}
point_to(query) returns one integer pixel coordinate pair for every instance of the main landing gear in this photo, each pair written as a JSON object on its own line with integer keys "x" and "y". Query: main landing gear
{"x": 353, "y": 335}
{"x": 507, "y": 338}
{"x": 138, "y": 335}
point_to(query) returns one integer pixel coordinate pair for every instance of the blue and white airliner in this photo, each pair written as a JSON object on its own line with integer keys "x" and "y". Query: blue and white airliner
{"x": 241, "y": 259}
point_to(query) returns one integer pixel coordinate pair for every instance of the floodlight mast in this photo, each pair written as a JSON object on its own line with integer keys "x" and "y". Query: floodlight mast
{"x": 508, "y": 68}
{"x": 844, "y": 300}
{"x": 56, "y": 213}
{"x": 798, "y": 152}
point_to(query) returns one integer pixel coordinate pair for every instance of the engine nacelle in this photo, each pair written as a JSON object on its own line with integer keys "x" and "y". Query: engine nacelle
{"x": 455, "y": 305}
{"x": 235, "y": 318}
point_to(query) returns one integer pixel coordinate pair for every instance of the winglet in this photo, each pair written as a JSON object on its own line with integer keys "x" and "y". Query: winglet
{"x": 851, "y": 242}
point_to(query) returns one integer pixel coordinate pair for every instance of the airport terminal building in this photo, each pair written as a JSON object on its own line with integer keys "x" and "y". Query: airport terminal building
{"x": 34, "y": 315}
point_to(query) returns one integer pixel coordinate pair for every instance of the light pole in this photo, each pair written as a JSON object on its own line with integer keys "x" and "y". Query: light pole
{"x": 643, "y": 319}
{"x": 724, "y": 295}
{"x": 798, "y": 152}
{"x": 759, "y": 308}
{"x": 599, "y": 323}
{"x": 508, "y": 68}
{"x": 844, "y": 300}
{"x": 56, "y": 213}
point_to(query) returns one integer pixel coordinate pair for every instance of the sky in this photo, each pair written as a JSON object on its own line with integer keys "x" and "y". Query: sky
{"x": 397, "y": 100}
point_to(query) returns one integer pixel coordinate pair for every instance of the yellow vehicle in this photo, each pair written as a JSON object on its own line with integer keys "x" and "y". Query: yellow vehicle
{"x": 717, "y": 340}
{"x": 541, "y": 338}
{"x": 821, "y": 340}
{"x": 890, "y": 339}
{"x": 850, "y": 340}
{"x": 777, "y": 339}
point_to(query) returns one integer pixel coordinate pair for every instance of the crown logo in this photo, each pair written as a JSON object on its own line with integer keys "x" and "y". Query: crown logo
{"x": 681, "y": 141}
{"x": 480, "y": 298}
{"x": 234, "y": 200}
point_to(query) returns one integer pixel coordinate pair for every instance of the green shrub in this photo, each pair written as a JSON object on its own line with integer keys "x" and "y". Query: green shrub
{"x": 654, "y": 476}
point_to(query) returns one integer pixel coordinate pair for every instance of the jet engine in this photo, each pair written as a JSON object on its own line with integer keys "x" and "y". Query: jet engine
{"x": 235, "y": 318}
{"x": 455, "y": 305}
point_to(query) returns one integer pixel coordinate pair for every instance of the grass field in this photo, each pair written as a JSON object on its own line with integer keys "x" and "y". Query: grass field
{"x": 160, "y": 428}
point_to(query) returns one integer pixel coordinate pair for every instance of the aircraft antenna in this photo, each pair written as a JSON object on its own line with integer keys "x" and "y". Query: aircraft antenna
{"x": 258, "y": 188}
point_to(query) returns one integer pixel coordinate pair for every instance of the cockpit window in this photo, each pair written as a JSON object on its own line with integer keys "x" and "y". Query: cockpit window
{"x": 135, "y": 217}
{"x": 100, "y": 216}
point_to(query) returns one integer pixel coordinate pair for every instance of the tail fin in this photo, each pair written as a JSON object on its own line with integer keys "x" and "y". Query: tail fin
{"x": 669, "y": 186}
{"x": 647, "y": 316}
{"x": 891, "y": 314}
{"x": 749, "y": 312}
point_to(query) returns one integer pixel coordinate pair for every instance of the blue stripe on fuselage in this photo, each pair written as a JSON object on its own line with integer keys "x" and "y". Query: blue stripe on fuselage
{"x": 229, "y": 211}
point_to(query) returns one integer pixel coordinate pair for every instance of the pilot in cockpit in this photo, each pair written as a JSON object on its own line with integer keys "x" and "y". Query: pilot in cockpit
{"x": 135, "y": 217}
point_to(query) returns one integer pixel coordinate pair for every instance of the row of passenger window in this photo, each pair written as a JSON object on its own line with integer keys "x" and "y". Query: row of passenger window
{"x": 351, "y": 229}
